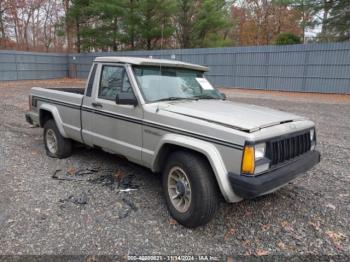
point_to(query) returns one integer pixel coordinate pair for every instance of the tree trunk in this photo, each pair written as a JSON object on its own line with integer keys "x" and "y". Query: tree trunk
{"x": 78, "y": 35}
{"x": 115, "y": 44}
{"x": 3, "y": 34}
{"x": 25, "y": 33}
{"x": 149, "y": 44}
{"x": 327, "y": 6}
{"x": 2, "y": 11}
{"x": 67, "y": 26}
{"x": 132, "y": 34}
{"x": 15, "y": 22}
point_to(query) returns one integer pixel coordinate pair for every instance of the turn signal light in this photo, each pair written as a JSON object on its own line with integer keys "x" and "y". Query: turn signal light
{"x": 248, "y": 161}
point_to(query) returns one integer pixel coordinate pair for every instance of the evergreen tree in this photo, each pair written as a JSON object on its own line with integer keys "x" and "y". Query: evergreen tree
{"x": 202, "y": 23}
{"x": 307, "y": 12}
{"x": 153, "y": 21}
{"x": 286, "y": 38}
{"x": 212, "y": 21}
{"x": 337, "y": 23}
{"x": 77, "y": 17}
{"x": 131, "y": 20}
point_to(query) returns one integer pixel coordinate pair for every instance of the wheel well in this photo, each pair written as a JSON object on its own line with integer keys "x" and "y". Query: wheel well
{"x": 44, "y": 116}
{"x": 167, "y": 150}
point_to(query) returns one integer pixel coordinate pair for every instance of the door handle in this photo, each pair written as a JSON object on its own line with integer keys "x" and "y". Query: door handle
{"x": 94, "y": 104}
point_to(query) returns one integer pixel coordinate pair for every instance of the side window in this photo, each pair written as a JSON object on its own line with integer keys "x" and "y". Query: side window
{"x": 114, "y": 80}
{"x": 91, "y": 81}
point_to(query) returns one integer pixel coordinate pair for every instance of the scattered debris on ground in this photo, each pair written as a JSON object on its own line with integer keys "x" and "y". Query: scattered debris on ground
{"x": 118, "y": 181}
{"x": 105, "y": 177}
{"x": 80, "y": 199}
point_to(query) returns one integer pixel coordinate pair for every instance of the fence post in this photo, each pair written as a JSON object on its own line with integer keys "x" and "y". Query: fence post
{"x": 267, "y": 62}
{"x": 305, "y": 68}
{"x": 15, "y": 54}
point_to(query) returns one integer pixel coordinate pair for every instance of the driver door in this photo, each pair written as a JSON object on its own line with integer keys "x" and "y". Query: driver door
{"x": 117, "y": 128}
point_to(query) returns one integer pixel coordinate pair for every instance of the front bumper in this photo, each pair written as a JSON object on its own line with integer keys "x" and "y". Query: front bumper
{"x": 249, "y": 187}
{"x": 29, "y": 118}
{"x": 32, "y": 118}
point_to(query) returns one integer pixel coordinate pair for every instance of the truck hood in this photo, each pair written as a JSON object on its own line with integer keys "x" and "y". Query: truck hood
{"x": 244, "y": 117}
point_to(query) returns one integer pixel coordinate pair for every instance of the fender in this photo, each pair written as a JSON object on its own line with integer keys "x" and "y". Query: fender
{"x": 207, "y": 149}
{"x": 56, "y": 116}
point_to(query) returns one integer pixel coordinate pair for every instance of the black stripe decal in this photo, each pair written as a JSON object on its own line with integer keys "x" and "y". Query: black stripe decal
{"x": 107, "y": 114}
{"x": 186, "y": 133}
{"x": 143, "y": 122}
{"x": 56, "y": 102}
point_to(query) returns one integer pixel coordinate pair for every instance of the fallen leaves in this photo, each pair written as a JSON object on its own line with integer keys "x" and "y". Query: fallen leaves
{"x": 265, "y": 227}
{"x": 71, "y": 171}
{"x": 286, "y": 226}
{"x": 120, "y": 174}
{"x": 35, "y": 152}
{"x": 284, "y": 247}
{"x": 248, "y": 253}
{"x": 316, "y": 224}
{"x": 229, "y": 233}
{"x": 247, "y": 243}
{"x": 281, "y": 245}
{"x": 172, "y": 221}
{"x": 261, "y": 252}
{"x": 336, "y": 237}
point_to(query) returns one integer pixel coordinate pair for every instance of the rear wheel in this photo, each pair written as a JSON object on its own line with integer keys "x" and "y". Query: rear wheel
{"x": 190, "y": 189}
{"x": 56, "y": 145}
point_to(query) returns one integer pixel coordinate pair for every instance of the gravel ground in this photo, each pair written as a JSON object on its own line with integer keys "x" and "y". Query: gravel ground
{"x": 92, "y": 213}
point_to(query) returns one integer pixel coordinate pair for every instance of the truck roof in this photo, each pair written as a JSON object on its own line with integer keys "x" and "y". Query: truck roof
{"x": 150, "y": 62}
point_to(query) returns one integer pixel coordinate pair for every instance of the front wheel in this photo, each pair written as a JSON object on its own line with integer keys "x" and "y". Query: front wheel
{"x": 190, "y": 189}
{"x": 56, "y": 145}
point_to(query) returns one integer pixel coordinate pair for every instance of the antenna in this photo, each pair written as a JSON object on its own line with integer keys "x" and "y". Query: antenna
{"x": 160, "y": 64}
{"x": 161, "y": 46}
{"x": 161, "y": 40}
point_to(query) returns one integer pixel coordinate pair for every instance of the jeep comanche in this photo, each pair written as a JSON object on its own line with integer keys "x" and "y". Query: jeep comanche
{"x": 166, "y": 116}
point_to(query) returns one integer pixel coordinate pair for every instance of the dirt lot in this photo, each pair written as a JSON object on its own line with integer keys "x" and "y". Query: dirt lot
{"x": 92, "y": 213}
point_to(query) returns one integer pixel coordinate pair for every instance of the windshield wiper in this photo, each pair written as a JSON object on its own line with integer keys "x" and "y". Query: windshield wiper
{"x": 204, "y": 97}
{"x": 173, "y": 98}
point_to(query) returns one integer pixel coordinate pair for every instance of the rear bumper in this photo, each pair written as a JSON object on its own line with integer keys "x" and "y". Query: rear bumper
{"x": 249, "y": 187}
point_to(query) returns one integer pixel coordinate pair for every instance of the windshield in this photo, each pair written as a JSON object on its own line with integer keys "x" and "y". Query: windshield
{"x": 158, "y": 84}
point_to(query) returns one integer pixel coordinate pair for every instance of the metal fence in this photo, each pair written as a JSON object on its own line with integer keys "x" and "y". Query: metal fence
{"x": 323, "y": 68}
{"x": 30, "y": 65}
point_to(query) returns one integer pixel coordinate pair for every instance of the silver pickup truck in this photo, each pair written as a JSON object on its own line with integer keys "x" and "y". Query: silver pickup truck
{"x": 166, "y": 116}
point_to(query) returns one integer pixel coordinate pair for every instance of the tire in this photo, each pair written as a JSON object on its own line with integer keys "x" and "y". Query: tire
{"x": 203, "y": 195}
{"x": 55, "y": 144}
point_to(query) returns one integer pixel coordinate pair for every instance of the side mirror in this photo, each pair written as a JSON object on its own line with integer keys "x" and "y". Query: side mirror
{"x": 223, "y": 96}
{"x": 126, "y": 99}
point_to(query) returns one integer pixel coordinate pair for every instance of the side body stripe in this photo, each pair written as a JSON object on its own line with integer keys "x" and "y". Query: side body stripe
{"x": 142, "y": 122}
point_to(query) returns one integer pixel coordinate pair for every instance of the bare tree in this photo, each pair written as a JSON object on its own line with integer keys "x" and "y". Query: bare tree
{"x": 4, "y": 6}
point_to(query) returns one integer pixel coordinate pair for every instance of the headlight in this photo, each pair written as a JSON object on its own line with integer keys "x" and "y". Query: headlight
{"x": 253, "y": 159}
{"x": 260, "y": 151}
{"x": 312, "y": 139}
{"x": 312, "y": 134}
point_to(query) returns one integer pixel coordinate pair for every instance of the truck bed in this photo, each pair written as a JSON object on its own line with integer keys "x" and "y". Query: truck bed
{"x": 75, "y": 90}
{"x": 67, "y": 102}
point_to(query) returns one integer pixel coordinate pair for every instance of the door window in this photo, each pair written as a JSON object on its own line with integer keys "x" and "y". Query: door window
{"x": 114, "y": 80}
